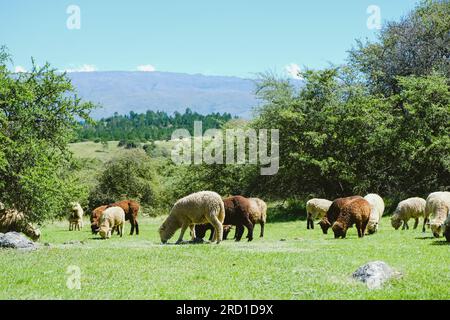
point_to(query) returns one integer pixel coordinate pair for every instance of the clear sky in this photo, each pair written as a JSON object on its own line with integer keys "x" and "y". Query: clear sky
{"x": 220, "y": 37}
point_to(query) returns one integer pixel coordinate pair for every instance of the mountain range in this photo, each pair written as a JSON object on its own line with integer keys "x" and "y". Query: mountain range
{"x": 125, "y": 91}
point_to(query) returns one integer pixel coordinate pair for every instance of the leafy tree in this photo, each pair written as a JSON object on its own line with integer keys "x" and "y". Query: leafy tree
{"x": 38, "y": 116}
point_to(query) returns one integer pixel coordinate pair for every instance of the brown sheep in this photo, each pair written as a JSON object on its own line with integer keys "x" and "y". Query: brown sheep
{"x": 13, "y": 220}
{"x": 354, "y": 212}
{"x": 237, "y": 213}
{"x": 334, "y": 211}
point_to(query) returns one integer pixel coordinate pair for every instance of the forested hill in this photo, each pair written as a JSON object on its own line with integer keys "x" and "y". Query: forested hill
{"x": 152, "y": 125}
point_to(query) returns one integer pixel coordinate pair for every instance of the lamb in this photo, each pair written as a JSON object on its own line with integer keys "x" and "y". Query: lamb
{"x": 13, "y": 220}
{"x": 131, "y": 209}
{"x": 112, "y": 218}
{"x": 436, "y": 211}
{"x": 258, "y": 214}
{"x": 95, "y": 218}
{"x": 316, "y": 208}
{"x": 354, "y": 212}
{"x": 407, "y": 209}
{"x": 197, "y": 208}
{"x": 334, "y": 211}
{"x": 75, "y": 216}
{"x": 376, "y": 211}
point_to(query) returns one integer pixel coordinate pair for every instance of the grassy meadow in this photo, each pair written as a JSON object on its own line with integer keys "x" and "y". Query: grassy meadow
{"x": 290, "y": 262}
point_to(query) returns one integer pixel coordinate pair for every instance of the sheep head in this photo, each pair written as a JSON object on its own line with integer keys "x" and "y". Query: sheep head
{"x": 396, "y": 222}
{"x": 436, "y": 229}
{"x": 340, "y": 231}
{"x": 325, "y": 225}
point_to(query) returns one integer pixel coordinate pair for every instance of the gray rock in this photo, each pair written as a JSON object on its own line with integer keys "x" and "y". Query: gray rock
{"x": 374, "y": 274}
{"x": 16, "y": 240}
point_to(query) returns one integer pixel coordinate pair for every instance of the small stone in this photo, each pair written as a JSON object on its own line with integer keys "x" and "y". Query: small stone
{"x": 375, "y": 274}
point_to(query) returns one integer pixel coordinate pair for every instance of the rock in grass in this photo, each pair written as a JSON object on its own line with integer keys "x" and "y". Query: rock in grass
{"x": 16, "y": 240}
{"x": 375, "y": 274}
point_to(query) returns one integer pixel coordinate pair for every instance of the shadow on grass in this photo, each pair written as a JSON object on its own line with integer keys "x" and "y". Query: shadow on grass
{"x": 425, "y": 238}
{"x": 440, "y": 243}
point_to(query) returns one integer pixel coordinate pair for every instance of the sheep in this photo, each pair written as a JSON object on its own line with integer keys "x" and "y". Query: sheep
{"x": 436, "y": 211}
{"x": 112, "y": 218}
{"x": 354, "y": 212}
{"x": 131, "y": 209}
{"x": 333, "y": 212}
{"x": 238, "y": 211}
{"x": 407, "y": 209}
{"x": 95, "y": 218}
{"x": 75, "y": 216}
{"x": 201, "y": 229}
{"x": 13, "y": 220}
{"x": 258, "y": 214}
{"x": 376, "y": 211}
{"x": 446, "y": 228}
{"x": 197, "y": 208}
{"x": 316, "y": 208}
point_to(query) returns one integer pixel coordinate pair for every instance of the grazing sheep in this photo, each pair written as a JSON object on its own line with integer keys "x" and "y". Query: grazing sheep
{"x": 376, "y": 211}
{"x": 13, "y": 220}
{"x": 197, "y": 208}
{"x": 447, "y": 228}
{"x": 131, "y": 209}
{"x": 316, "y": 209}
{"x": 201, "y": 229}
{"x": 407, "y": 209}
{"x": 112, "y": 218}
{"x": 238, "y": 211}
{"x": 436, "y": 211}
{"x": 258, "y": 214}
{"x": 354, "y": 212}
{"x": 334, "y": 211}
{"x": 95, "y": 218}
{"x": 75, "y": 216}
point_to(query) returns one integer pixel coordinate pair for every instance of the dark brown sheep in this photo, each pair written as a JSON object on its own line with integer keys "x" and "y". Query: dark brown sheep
{"x": 130, "y": 207}
{"x": 201, "y": 229}
{"x": 334, "y": 211}
{"x": 355, "y": 212}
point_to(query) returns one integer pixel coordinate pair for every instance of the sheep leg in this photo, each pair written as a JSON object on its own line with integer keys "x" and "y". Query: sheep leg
{"x": 249, "y": 225}
{"x": 192, "y": 228}
{"x": 218, "y": 229}
{"x": 416, "y": 223}
{"x": 262, "y": 229}
{"x": 239, "y": 232}
{"x": 424, "y": 223}
{"x": 183, "y": 230}
{"x": 136, "y": 225}
{"x": 308, "y": 223}
{"x": 132, "y": 225}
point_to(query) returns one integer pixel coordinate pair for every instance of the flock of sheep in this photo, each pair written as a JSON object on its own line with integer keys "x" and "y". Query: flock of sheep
{"x": 206, "y": 210}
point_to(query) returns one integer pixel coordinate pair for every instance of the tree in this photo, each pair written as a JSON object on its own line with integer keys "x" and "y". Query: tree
{"x": 38, "y": 115}
{"x": 418, "y": 44}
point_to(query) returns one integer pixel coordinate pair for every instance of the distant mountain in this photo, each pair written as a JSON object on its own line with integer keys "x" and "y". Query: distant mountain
{"x": 122, "y": 92}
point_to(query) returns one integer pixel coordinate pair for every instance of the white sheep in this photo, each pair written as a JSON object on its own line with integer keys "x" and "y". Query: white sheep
{"x": 376, "y": 211}
{"x": 13, "y": 220}
{"x": 316, "y": 209}
{"x": 436, "y": 211}
{"x": 407, "y": 209}
{"x": 259, "y": 215}
{"x": 197, "y": 208}
{"x": 112, "y": 218}
{"x": 75, "y": 216}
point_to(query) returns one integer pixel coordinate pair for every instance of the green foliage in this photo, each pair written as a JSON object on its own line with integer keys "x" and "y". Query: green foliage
{"x": 38, "y": 115}
{"x": 148, "y": 126}
{"x": 131, "y": 175}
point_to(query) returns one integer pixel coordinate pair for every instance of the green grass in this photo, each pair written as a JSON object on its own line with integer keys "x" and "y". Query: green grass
{"x": 307, "y": 265}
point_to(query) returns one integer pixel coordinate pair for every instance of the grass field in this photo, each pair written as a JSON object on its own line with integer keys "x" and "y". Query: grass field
{"x": 289, "y": 263}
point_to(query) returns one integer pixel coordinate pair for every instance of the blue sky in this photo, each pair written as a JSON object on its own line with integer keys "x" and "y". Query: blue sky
{"x": 232, "y": 37}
